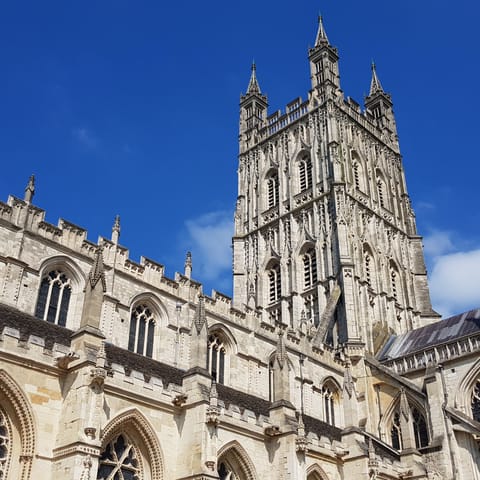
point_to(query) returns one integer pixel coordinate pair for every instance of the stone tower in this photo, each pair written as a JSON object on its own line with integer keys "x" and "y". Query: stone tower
{"x": 324, "y": 231}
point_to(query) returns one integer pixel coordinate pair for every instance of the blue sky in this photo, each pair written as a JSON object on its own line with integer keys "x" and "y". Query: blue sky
{"x": 131, "y": 108}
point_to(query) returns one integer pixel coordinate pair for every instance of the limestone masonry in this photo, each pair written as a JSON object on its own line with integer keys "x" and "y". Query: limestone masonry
{"x": 329, "y": 363}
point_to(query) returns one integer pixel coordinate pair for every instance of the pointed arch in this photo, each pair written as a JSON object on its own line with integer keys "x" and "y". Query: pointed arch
{"x": 133, "y": 422}
{"x": 358, "y": 171}
{"x": 226, "y": 334}
{"x": 237, "y": 458}
{"x": 465, "y": 390}
{"x": 16, "y": 403}
{"x": 369, "y": 267}
{"x": 315, "y": 472}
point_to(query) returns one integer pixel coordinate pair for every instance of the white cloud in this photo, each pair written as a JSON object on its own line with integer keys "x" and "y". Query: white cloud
{"x": 209, "y": 239}
{"x": 455, "y": 282}
{"x": 85, "y": 137}
{"x": 438, "y": 243}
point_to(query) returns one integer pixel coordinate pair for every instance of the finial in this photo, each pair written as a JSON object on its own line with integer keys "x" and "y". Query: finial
{"x": 116, "y": 229}
{"x": 281, "y": 352}
{"x": 200, "y": 317}
{"x": 321, "y": 38}
{"x": 375, "y": 85}
{"x": 188, "y": 265}
{"x": 30, "y": 189}
{"x": 253, "y": 86}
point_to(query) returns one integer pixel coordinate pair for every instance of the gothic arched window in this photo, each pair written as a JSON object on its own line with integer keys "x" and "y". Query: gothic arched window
{"x": 419, "y": 429}
{"x": 311, "y": 309}
{"x": 272, "y": 190}
{"x": 329, "y": 396}
{"x": 54, "y": 298}
{"x": 395, "y": 281}
{"x": 382, "y": 191}
{"x": 119, "y": 461}
{"x": 5, "y": 445}
{"x": 305, "y": 173}
{"x": 369, "y": 266}
{"x": 142, "y": 331}
{"x": 216, "y": 357}
{"x": 396, "y": 432}
{"x": 274, "y": 284}
{"x": 310, "y": 268}
{"x": 476, "y": 401}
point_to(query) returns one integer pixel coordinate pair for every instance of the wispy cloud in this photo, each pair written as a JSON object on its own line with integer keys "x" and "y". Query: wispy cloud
{"x": 454, "y": 274}
{"x": 209, "y": 237}
{"x": 85, "y": 137}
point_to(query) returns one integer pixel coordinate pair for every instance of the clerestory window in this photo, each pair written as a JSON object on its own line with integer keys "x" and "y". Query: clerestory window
{"x": 396, "y": 432}
{"x": 54, "y": 298}
{"x": 142, "y": 331}
{"x": 216, "y": 358}
{"x": 328, "y": 407}
{"x": 420, "y": 430}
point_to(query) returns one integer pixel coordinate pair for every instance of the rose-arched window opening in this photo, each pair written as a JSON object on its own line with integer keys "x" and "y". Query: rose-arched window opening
{"x": 54, "y": 298}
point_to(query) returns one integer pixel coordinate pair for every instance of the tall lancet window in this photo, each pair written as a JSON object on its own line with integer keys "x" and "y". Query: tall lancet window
{"x": 272, "y": 190}
{"x": 216, "y": 357}
{"x": 396, "y": 432}
{"x": 395, "y": 282}
{"x": 142, "y": 331}
{"x": 369, "y": 267}
{"x": 305, "y": 173}
{"x": 274, "y": 284}
{"x": 310, "y": 268}
{"x": 419, "y": 428}
{"x": 54, "y": 298}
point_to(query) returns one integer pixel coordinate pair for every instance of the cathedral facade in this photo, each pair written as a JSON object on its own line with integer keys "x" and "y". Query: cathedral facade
{"x": 328, "y": 363}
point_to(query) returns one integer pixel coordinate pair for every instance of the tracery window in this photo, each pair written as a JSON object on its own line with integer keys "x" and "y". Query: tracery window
{"x": 328, "y": 395}
{"x": 356, "y": 175}
{"x": 216, "y": 357}
{"x": 310, "y": 268}
{"x": 119, "y": 461}
{"x": 369, "y": 267}
{"x": 396, "y": 432}
{"x": 5, "y": 445}
{"x": 272, "y": 191}
{"x": 311, "y": 309}
{"x": 305, "y": 173}
{"x": 476, "y": 401}
{"x": 419, "y": 429}
{"x": 394, "y": 282}
{"x": 54, "y": 298}
{"x": 142, "y": 331}
{"x": 274, "y": 284}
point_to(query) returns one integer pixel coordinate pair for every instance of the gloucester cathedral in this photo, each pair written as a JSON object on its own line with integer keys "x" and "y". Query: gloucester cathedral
{"x": 328, "y": 363}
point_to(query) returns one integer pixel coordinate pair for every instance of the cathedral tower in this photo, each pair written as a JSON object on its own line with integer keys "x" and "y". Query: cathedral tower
{"x": 324, "y": 231}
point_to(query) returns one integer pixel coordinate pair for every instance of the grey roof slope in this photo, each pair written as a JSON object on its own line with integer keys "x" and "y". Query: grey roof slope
{"x": 444, "y": 331}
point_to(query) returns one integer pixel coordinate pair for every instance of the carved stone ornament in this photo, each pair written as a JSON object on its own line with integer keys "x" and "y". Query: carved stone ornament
{"x": 212, "y": 416}
{"x": 179, "y": 400}
{"x": 98, "y": 376}
{"x": 301, "y": 444}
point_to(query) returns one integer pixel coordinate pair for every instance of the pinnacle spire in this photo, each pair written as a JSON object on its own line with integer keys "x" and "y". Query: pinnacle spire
{"x": 253, "y": 86}
{"x": 281, "y": 351}
{"x": 375, "y": 85}
{"x": 116, "y": 229}
{"x": 321, "y": 34}
{"x": 30, "y": 189}
{"x": 188, "y": 265}
{"x": 97, "y": 272}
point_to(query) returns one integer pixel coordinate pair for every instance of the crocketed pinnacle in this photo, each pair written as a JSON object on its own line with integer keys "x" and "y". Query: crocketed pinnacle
{"x": 97, "y": 272}
{"x": 375, "y": 85}
{"x": 253, "y": 86}
{"x": 321, "y": 38}
{"x": 200, "y": 316}
{"x": 281, "y": 351}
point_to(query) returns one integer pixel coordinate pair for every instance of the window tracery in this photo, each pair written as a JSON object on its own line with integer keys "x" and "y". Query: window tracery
{"x": 119, "y": 461}
{"x": 310, "y": 268}
{"x": 419, "y": 429}
{"x": 216, "y": 357}
{"x": 5, "y": 445}
{"x": 396, "y": 432}
{"x": 329, "y": 396}
{"x": 54, "y": 298}
{"x": 305, "y": 173}
{"x": 274, "y": 284}
{"x": 272, "y": 190}
{"x": 311, "y": 309}
{"x": 475, "y": 403}
{"x": 142, "y": 331}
